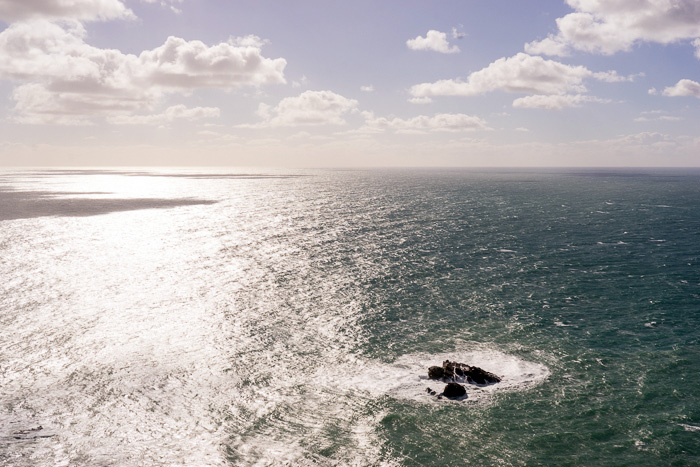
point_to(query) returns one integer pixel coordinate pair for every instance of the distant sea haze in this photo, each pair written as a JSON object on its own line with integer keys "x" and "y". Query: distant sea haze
{"x": 238, "y": 317}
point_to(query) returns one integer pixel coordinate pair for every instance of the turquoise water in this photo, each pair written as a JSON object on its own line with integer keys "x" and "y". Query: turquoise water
{"x": 221, "y": 317}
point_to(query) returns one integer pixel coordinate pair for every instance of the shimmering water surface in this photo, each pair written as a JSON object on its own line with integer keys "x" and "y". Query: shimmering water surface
{"x": 238, "y": 317}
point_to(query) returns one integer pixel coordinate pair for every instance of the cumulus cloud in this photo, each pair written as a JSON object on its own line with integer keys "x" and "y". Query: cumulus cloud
{"x": 189, "y": 64}
{"x": 609, "y": 26}
{"x": 553, "y": 85}
{"x": 548, "y": 46}
{"x": 424, "y": 123}
{"x": 369, "y": 88}
{"x": 176, "y": 112}
{"x": 522, "y": 73}
{"x": 696, "y": 44}
{"x": 308, "y": 108}
{"x": 554, "y": 102}
{"x": 684, "y": 87}
{"x": 433, "y": 40}
{"x": 67, "y": 80}
{"x": 86, "y": 10}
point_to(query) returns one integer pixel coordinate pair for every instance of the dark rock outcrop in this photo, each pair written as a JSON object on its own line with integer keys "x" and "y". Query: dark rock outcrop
{"x": 435, "y": 372}
{"x": 454, "y": 391}
{"x": 460, "y": 372}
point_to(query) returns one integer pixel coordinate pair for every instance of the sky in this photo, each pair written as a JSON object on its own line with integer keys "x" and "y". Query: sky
{"x": 331, "y": 83}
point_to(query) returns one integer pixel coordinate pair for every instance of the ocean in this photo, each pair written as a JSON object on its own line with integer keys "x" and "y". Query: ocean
{"x": 240, "y": 317}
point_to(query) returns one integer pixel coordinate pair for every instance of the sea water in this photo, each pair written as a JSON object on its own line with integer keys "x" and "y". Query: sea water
{"x": 214, "y": 317}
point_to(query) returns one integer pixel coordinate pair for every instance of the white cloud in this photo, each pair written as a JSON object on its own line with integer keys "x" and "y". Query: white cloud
{"x": 191, "y": 64}
{"x": 77, "y": 81}
{"x": 457, "y": 34}
{"x": 696, "y": 44}
{"x": 433, "y": 40}
{"x": 548, "y": 46}
{"x": 554, "y": 85}
{"x": 554, "y": 102}
{"x": 613, "y": 77}
{"x": 369, "y": 88}
{"x": 303, "y": 81}
{"x": 521, "y": 74}
{"x": 168, "y": 4}
{"x": 308, "y": 108}
{"x": 684, "y": 87}
{"x": 420, "y": 100}
{"x": 661, "y": 118}
{"x": 424, "y": 123}
{"x": 609, "y": 26}
{"x": 176, "y": 112}
{"x": 84, "y": 10}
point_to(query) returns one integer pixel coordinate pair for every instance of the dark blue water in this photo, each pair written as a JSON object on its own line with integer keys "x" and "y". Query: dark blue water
{"x": 251, "y": 318}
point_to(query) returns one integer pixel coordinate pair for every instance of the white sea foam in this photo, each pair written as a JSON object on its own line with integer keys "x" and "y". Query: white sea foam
{"x": 407, "y": 377}
{"x": 690, "y": 427}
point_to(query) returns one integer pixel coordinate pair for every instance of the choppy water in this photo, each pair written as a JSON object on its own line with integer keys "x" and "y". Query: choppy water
{"x": 225, "y": 317}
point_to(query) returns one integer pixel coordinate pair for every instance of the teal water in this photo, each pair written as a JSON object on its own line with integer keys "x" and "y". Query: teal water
{"x": 226, "y": 318}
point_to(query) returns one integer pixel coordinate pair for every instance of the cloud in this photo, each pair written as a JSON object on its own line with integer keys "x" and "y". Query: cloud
{"x": 369, "y": 88}
{"x": 176, "y": 112}
{"x": 554, "y": 102}
{"x": 433, "y": 40}
{"x": 457, "y": 34}
{"x": 420, "y": 100}
{"x": 84, "y": 10}
{"x": 554, "y": 85}
{"x": 613, "y": 77}
{"x": 167, "y": 3}
{"x": 424, "y": 123}
{"x": 657, "y": 115}
{"x": 684, "y": 87}
{"x": 520, "y": 74}
{"x": 610, "y": 26}
{"x": 308, "y": 108}
{"x": 303, "y": 81}
{"x": 548, "y": 46}
{"x": 696, "y": 44}
{"x": 65, "y": 79}
{"x": 192, "y": 64}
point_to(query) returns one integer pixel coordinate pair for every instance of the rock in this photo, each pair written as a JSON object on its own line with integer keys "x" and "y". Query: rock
{"x": 454, "y": 390}
{"x": 430, "y": 391}
{"x": 460, "y": 372}
{"x": 436, "y": 372}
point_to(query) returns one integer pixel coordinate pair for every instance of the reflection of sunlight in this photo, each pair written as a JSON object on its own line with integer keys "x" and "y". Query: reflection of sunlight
{"x": 122, "y": 186}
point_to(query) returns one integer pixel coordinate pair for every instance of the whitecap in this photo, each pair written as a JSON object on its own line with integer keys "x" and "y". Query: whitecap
{"x": 689, "y": 427}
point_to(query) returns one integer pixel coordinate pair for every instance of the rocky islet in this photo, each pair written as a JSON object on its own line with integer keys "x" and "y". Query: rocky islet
{"x": 454, "y": 373}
